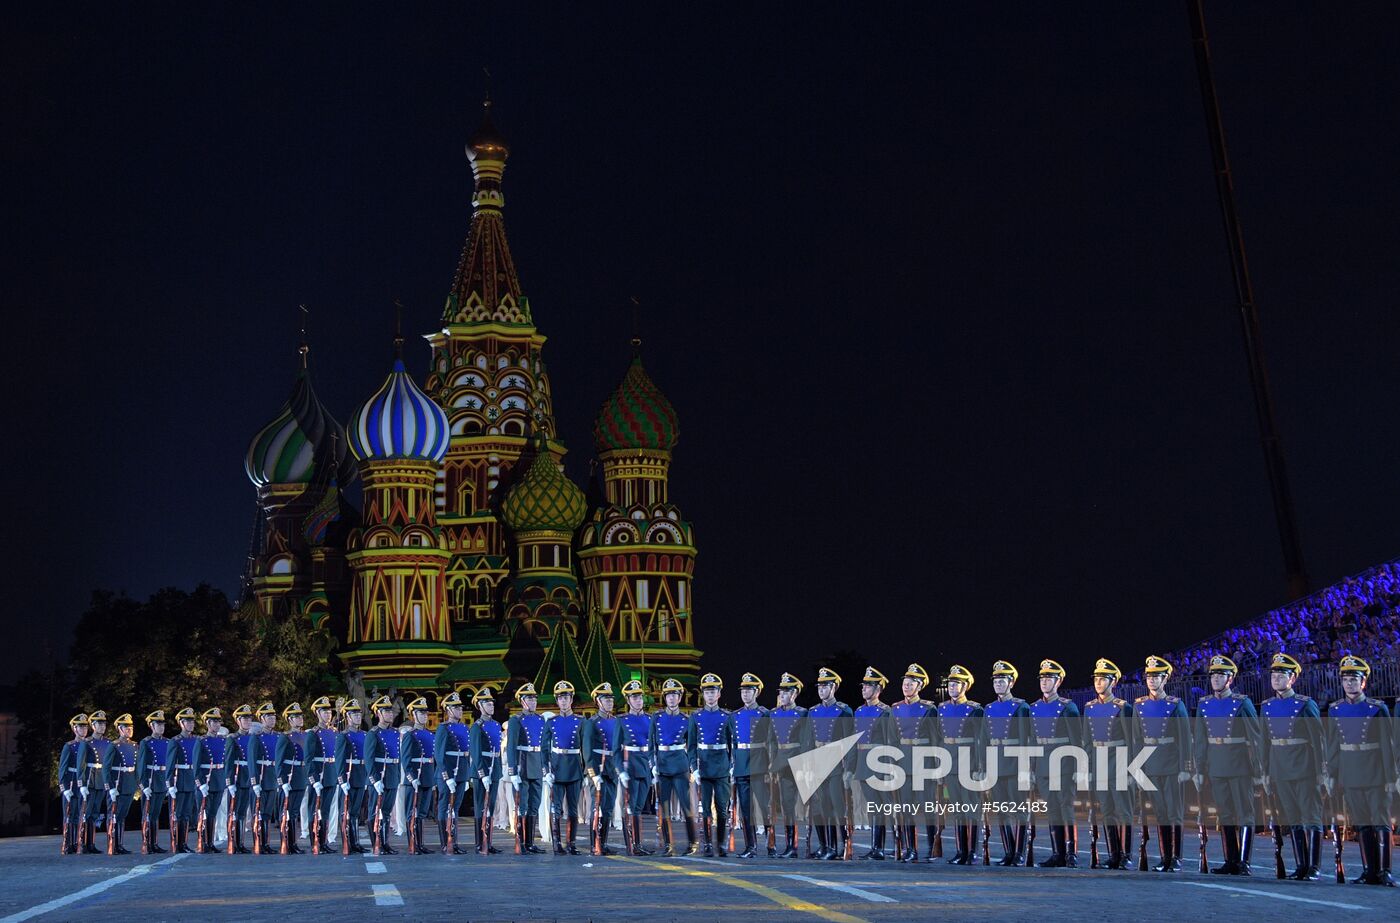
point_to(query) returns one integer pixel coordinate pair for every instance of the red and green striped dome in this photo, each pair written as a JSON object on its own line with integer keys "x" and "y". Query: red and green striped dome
{"x": 637, "y": 416}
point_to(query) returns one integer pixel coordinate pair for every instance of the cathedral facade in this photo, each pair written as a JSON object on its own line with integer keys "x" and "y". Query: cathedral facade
{"x": 473, "y": 560}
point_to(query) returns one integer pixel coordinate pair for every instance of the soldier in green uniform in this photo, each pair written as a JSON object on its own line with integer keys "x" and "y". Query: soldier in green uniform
{"x": 911, "y": 716}
{"x": 452, "y": 756}
{"x": 712, "y": 736}
{"x": 72, "y": 782}
{"x": 1293, "y": 769}
{"x": 1227, "y": 751}
{"x": 121, "y": 784}
{"x": 524, "y": 742}
{"x": 1055, "y": 721}
{"x": 960, "y": 728}
{"x": 416, "y": 761}
{"x": 1008, "y": 726}
{"x": 563, "y": 761}
{"x": 240, "y": 764}
{"x": 752, "y": 779}
{"x": 153, "y": 758}
{"x": 293, "y": 774}
{"x": 184, "y": 777}
{"x": 785, "y": 741}
{"x": 486, "y": 767}
{"x": 1110, "y": 727}
{"x": 1361, "y": 757}
{"x": 873, "y": 723}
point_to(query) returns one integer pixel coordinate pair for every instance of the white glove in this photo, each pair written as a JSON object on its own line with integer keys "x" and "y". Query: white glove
{"x": 1327, "y": 783}
{"x": 514, "y": 780}
{"x": 145, "y": 792}
{"x": 622, "y": 779}
{"x": 1197, "y": 780}
{"x": 345, "y": 788}
{"x": 597, "y": 783}
{"x": 318, "y": 786}
{"x": 67, "y": 793}
{"x": 1081, "y": 780}
{"x": 451, "y": 785}
{"x": 83, "y": 790}
{"x": 1262, "y": 782}
{"x": 286, "y": 789}
{"x": 549, "y": 778}
{"x": 977, "y": 775}
{"x": 379, "y": 786}
{"x": 112, "y": 791}
{"x": 655, "y": 777}
{"x": 1023, "y": 780}
{"x": 847, "y": 776}
{"x": 1183, "y": 776}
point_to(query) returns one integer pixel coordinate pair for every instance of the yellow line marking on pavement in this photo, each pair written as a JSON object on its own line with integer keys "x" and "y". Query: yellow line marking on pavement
{"x": 778, "y": 897}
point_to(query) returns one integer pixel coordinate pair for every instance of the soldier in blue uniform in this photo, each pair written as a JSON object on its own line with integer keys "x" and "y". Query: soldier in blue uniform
{"x": 1361, "y": 757}
{"x": 1008, "y": 725}
{"x": 910, "y": 716}
{"x": 636, "y": 762}
{"x": 320, "y": 772}
{"x": 486, "y": 767}
{"x": 72, "y": 783}
{"x": 452, "y": 756}
{"x": 1227, "y": 750}
{"x": 184, "y": 777}
{"x": 600, "y": 737}
{"x": 963, "y": 733}
{"x": 673, "y": 744}
{"x": 211, "y": 774}
{"x": 352, "y": 775}
{"x": 416, "y": 760}
{"x": 876, "y": 728}
{"x": 563, "y": 761}
{"x": 266, "y": 787}
{"x": 99, "y": 755}
{"x": 830, "y": 720}
{"x": 293, "y": 773}
{"x": 1110, "y": 727}
{"x": 240, "y": 763}
{"x": 524, "y": 742}
{"x": 153, "y": 769}
{"x": 1055, "y": 721}
{"x": 382, "y": 761}
{"x": 787, "y": 728}
{"x": 751, "y": 763}
{"x": 121, "y": 784}
{"x": 1162, "y": 723}
{"x": 712, "y": 729}
{"x": 1293, "y": 768}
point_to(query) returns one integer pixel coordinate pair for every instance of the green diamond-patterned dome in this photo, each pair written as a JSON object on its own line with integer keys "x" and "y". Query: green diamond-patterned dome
{"x": 637, "y": 416}
{"x": 544, "y": 499}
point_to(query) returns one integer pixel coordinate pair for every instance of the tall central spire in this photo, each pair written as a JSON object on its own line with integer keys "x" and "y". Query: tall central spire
{"x": 486, "y": 288}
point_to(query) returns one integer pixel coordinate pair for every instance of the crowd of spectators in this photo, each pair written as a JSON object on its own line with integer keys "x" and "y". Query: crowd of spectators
{"x": 1359, "y": 615}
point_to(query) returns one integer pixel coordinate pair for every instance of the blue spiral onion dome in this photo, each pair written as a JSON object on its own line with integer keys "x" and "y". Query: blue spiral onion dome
{"x": 399, "y": 421}
{"x": 286, "y": 450}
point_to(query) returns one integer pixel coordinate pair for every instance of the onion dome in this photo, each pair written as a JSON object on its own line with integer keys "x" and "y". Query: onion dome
{"x": 399, "y": 421}
{"x": 286, "y": 450}
{"x": 637, "y": 416}
{"x": 544, "y": 499}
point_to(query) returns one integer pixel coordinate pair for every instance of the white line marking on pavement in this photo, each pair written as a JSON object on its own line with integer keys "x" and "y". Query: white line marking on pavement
{"x": 712, "y": 862}
{"x": 387, "y": 896}
{"x": 1282, "y": 897}
{"x": 89, "y": 891}
{"x": 846, "y": 889}
{"x": 376, "y": 868}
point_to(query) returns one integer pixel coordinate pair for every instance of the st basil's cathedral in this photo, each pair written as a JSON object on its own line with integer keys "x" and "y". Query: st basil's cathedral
{"x": 474, "y": 560}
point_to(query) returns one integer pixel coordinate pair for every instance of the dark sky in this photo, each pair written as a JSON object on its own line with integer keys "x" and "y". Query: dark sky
{"x": 941, "y": 297}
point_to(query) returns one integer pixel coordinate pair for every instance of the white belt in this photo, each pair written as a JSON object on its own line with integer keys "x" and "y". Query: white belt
{"x": 743, "y": 746}
{"x": 712, "y": 746}
{"x": 913, "y": 740}
{"x": 1158, "y": 740}
{"x": 421, "y": 759}
{"x": 1110, "y": 743}
{"x": 177, "y": 766}
{"x": 1052, "y": 740}
{"x": 1287, "y": 741}
{"x": 668, "y": 747}
{"x": 1350, "y": 748}
{"x": 323, "y": 759}
{"x": 602, "y": 752}
{"x": 453, "y": 753}
{"x": 162, "y": 768}
{"x": 565, "y": 750}
{"x": 74, "y": 769}
{"x": 385, "y": 759}
{"x": 631, "y": 749}
{"x": 293, "y": 762}
{"x": 528, "y": 749}
{"x": 789, "y": 746}
{"x": 240, "y": 762}
{"x": 211, "y": 765}
{"x": 266, "y": 763}
{"x": 959, "y": 740}
{"x": 123, "y": 768}
{"x": 354, "y": 762}
{"x": 94, "y": 765}
{"x": 489, "y": 756}
{"x": 1227, "y": 740}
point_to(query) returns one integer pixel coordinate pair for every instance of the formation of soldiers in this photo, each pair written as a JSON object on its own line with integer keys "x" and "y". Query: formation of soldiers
{"x": 732, "y": 770}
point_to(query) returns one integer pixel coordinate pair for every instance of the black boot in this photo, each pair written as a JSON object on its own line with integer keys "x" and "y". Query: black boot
{"x": 1299, "y": 838}
{"x": 934, "y": 849}
{"x": 1230, "y": 843}
{"x": 1314, "y": 853}
{"x": 1176, "y": 848}
{"x": 89, "y": 835}
{"x": 1246, "y": 849}
{"x": 555, "y": 833}
{"x": 1127, "y": 835}
{"x": 750, "y": 842}
{"x": 960, "y": 857}
{"x": 604, "y": 828}
{"x": 790, "y": 850}
{"x": 1071, "y": 847}
{"x": 721, "y": 845}
{"x": 1164, "y": 846}
{"x": 821, "y": 843}
{"x": 570, "y": 846}
{"x": 1023, "y": 834}
{"x": 876, "y": 836}
{"x": 637, "y": 838}
{"x": 1385, "y": 877}
{"x": 836, "y": 836}
{"x": 709, "y": 848}
{"x": 691, "y": 847}
{"x": 664, "y": 832}
{"x": 530, "y": 833}
{"x": 1056, "y": 859}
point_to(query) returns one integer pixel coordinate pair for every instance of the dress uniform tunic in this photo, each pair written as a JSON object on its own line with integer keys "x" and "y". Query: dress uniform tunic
{"x": 419, "y": 772}
{"x": 751, "y": 765}
{"x": 121, "y": 775}
{"x": 351, "y": 770}
{"x": 485, "y": 739}
{"x": 673, "y": 744}
{"x": 1008, "y": 726}
{"x": 452, "y": 758}
{"x": 153, "y": 772}
{"x": 712, "y": 730}
{"x": 382, "y": 757}
{"x": 601, "y": 762}
{"x": 1292, "y": 757}
{"x": 293, "y": 771}
{"x": 184, "y": 782}
{"x": 320, "y": 763}
{"x": 72, "y": 776}
{"x": 244, "y": 751}
{"x": 563, "y": 755}
{"x": 876, "y": 728}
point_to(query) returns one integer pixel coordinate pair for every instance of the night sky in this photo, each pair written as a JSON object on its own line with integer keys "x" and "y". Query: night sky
{"x": 941, "y": 298}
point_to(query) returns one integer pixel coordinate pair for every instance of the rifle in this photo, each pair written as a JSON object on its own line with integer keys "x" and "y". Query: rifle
{"x": 1093, "y": 835}
{"x": 146, "y": 838}
{"x": 450, "y": 848}
{"x": 1276, "y": 831}
{"x": 82, "y": 818}
{"x": 1204, "y": 866}
{"x": 734, "y": 813}
{"x": 1339, "y": 832}
{"x": 986, "y": 838}
{"x": 201, "y": 823}
{"x": 519, "y": 823}
{"x": 257, "y": 820}
{"x": 1142, "y": 816}
{"x": 231, "y": 823}
{"x": 488, "y": 800}
{"x": 316, "y": 831}
{"x": 413, "y": 817}
{"x": 626, "y": 795}
{"x": 345, "y": 815}
{"x": 111, "y": 822}
{"x": 849, "y": 853}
